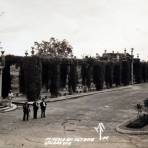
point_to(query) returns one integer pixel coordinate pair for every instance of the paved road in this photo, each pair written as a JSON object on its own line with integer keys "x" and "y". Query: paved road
{"x": 77, "y": 118}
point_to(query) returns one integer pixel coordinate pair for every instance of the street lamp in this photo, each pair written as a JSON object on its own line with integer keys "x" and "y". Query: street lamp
{"x": 118, "y": 57}
{"x": 2, "y": 64}
{"x": 2, "y": 52}
{"x": 125, "y": 51}
{"x": 32, "y": 51}
{"x": 26, "y": 53}
{"x": 132, "y": 71}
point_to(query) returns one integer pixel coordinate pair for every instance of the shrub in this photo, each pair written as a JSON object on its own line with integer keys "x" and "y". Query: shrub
{"x": 125, "y": 73}
{"x": 32, "y": 76}
{"x": 137, "y": 71}
{"x": 73, "y": 77}
{"x": 22, "y": 80}
{"x": 117, "y": 74}
{"x": 98, "y": 75}
{"x": 6, "y": 81}
{"x": 109, "y": 74}
{"x": 55, "y": 79}
{"x": 144, "y": 71}
{"x": 63, "y": 74}
{"x": 46, "y": 74}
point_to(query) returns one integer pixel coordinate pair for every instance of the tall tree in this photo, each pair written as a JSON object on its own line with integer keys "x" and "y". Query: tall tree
{"x": 54, "y": 48}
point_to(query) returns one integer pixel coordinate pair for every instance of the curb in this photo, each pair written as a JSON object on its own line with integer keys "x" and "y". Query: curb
{"x": 127, "y": 131}
{"x": 60, "y": 99}
{"x": 73, "y": 97}
{"x": 79, "y": 95}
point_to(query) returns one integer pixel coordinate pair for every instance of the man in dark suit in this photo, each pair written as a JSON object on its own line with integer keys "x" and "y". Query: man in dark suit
{"x": 43, "y": 105}
{"x": 35, "y": 109}
{"x": 26, "y": 111}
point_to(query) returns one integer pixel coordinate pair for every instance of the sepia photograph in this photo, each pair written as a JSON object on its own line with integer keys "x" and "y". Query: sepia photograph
{"x": 73, "y": 74}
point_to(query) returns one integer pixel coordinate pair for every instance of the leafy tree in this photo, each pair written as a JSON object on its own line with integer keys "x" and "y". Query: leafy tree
{"x": 54, "y": 48}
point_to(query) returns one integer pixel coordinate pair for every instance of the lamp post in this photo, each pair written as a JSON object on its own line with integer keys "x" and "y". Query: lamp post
{"x": 137, "y": 55}
{"x": 2, "y": 64}
{"x": 132, "y": 72}
{"x": 32, "y": 51}
{"x": 118, "y": 57}
{"x": 125, "y": 51}
{"x": 26, "y": 53}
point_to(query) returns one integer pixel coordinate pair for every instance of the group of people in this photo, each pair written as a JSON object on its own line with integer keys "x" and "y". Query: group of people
{"x": 26, "y": 109}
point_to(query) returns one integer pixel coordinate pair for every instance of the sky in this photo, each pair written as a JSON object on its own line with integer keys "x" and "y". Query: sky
{"x": 90, "y": 26}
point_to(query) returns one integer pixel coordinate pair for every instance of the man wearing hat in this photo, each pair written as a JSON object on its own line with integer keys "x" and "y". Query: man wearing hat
{"x": 35, "y": 109}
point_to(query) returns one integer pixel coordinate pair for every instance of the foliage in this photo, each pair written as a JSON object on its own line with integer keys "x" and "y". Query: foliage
{"x": 55, "y": 79}
{"x": 73, "y": 77}
{"x": 54, "y": 48}
{"x": 117, "y": 74}
{"x": 54, "y": 72}
{"x": 63, "y": 74}
{"x": 137, "y": 71}
{"x": 109, "y": 74}
{"x": 32, "y": 76}
{"x": 144, "y": 71}
{"x": 6, "y": 79}
{"x": 125, "y": 73}
{"x": 98, "y": 75}
{"x": 46, "y": 74}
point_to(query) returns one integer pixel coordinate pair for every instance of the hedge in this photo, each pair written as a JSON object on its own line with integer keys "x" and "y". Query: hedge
{"x": 117, "y": 74}
{"x": 6, "y": 78}
{"x": 125, "y": 72}
{"x": 72, "y": 77}
{"x": 98, "y": 75}
{"x": 37, "y": 72}
{"x": 63, "y": 74}
{"x": 137, "y": 71}
{"x": 32, "y": 76}
{"x": 109, "y": 74}
{"x": 55, "y": 79}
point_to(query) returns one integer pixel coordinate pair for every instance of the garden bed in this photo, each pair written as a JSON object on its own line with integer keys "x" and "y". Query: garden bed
{"x": 141, "y": 122}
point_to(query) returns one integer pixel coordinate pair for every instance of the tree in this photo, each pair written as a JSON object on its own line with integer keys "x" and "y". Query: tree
{"x": 117, "y": 74}
{"x": 125, "y": 73}
{"x": 33, "y": 77}
{"x": 54, "y": 48}
{"x": 109, "y": 74}
{"x": 137, "y": 71}
{"x": 98, "y": 75}
{"x": 72, "y": 77}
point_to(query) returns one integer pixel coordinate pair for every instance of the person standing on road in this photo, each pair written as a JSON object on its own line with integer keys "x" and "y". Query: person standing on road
{"x": 10, "y": 97}
{"x": 43, "y": 105}
{"x": 26, "y": 111}
{"x": 35, "y": 109}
